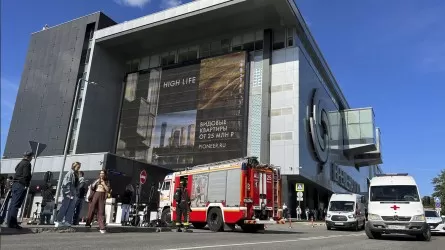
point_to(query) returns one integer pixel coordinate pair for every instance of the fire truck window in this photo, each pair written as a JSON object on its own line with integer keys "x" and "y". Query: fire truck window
{"x": 166, "y": 186}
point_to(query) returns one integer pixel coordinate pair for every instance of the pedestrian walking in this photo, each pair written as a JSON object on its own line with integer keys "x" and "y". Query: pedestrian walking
{"x": 298, "y": 213}
{"x": 69, "y": 190}
{"x": 98, "y": 194}
{"x": 126, "y": 204}
{"x": 21, "y": 181}
{"x": 307, "y": 213}
{"x": 82, "y": 189}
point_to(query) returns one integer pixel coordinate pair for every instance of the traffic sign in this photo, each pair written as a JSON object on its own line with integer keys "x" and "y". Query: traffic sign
{"x": 437, "y": 199}
{"x": 299, "y": 198}
{"x": 37, "y": 148}
{"x": 143, "y": 177}
{"x": 299, "y": 187}
{"x": 299, "y": 194}
{"x": 438, "y": 205}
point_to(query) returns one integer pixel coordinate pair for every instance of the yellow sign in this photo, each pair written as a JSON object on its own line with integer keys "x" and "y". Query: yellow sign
{"x": 299, "y": 187}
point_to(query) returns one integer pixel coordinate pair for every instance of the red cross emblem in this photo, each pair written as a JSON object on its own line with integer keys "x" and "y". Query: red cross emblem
{"x": 395, "y": 207}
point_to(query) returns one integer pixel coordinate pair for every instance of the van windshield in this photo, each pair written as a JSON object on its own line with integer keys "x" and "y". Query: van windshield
{"x": 395, "y": 193}
{"x": 429, "y": 213}
{"x": 341, "y": 206}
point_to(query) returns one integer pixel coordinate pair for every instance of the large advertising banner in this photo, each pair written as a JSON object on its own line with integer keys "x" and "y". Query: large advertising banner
{"x": 201, "y": 112}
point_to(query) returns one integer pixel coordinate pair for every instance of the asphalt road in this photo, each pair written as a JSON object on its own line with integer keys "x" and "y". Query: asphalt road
{"x": 276, "y": 237}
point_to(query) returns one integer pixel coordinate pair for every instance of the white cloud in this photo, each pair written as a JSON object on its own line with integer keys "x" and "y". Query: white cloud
{"x": 133, "y": 3}
{"x": 165, "y": 4}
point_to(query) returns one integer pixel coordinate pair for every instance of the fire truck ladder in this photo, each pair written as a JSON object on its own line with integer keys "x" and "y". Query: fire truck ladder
{"x": 208, "y": 165}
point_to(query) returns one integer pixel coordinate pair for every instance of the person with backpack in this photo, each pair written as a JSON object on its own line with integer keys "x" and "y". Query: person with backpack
{"x": 69, "y": 190}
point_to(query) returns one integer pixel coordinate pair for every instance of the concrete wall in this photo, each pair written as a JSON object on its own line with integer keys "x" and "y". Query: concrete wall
{"x": 90, "y": 162}
{"x": 100, "y": 112}
{"x": 284, "y": 134}
{"x": 46, "y": 91}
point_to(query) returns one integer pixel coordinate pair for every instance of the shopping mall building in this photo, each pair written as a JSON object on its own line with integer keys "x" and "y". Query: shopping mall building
{"x": 206, "y": 81}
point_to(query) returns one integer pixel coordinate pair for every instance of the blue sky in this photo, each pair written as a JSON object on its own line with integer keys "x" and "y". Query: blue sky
{"x": 386, "y": 54}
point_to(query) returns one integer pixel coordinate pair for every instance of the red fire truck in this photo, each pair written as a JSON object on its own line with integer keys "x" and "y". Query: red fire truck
{"x": 236, "y": 192}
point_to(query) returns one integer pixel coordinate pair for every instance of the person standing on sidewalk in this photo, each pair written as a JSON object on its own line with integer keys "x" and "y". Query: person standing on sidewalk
{"x": 21, "y": 181}
{"x": 82, "y": 189}
{"x": 98, "y": 195}
{"x": 126, "y": 203}
{"x": 69, "y": 190}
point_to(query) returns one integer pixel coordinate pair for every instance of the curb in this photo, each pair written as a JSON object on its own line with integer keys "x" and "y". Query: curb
{"x": 37, "y": 230}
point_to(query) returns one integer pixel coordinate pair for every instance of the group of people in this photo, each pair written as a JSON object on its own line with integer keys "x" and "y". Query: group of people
{"x": 73, "y": 188}
{"x": 306, "y": 214}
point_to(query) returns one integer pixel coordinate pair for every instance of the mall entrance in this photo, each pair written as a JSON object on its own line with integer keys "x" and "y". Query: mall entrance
{"x": 315, "y": 197}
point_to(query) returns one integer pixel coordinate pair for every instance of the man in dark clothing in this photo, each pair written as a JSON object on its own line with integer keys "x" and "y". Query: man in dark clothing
{"x": 182, "y": 206}
{"x": 22, "y": 178}
{"x": 82, "y": 187}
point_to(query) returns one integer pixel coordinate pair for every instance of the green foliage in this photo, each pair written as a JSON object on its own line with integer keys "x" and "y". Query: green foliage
{"x": 439, "y": 188}
{"x": 428, "y": 202}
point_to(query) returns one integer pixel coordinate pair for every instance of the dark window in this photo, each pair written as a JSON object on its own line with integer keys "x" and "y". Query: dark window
{"x": 430, "y": 213}
{"x": 166, "y": 186}
{"x": 167, "y": 60}
{"x": 278, "y": 39}
{"x": 259, "y": 45}
{"x": 341, "y": 206}
{"x": 395, "y": 193}
{"x": 249, "y": 46}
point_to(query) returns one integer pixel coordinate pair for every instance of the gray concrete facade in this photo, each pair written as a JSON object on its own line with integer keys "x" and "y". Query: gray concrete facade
{"x": 46, "y": 93}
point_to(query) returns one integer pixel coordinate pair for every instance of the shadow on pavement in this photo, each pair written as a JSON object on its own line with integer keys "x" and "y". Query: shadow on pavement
{"x": 398, "y": 237}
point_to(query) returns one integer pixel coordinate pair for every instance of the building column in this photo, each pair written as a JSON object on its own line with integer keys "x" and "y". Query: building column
{"x": 265, "y": 107}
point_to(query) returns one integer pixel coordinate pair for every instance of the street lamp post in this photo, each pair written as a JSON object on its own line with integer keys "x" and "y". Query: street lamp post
{"x": 67, "y": 143}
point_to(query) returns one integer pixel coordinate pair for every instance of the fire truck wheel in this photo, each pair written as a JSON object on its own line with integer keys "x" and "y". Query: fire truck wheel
{"x": 166, "y": 216}
{"x": 215, "y": 220}
{"x": 198, "y": 225}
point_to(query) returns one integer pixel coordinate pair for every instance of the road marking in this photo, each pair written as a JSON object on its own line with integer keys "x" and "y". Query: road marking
{"x": 269, "y": 242}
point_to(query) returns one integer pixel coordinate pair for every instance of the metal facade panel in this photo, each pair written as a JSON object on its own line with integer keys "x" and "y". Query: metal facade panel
{"x": 46, "y": 91}
{"x": 233, "y": 195}
{"x": 217, "y": 187}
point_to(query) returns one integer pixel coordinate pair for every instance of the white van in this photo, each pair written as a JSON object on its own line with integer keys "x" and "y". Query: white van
{"x": 346, "y": 211}
{"x": 395, "y": 206}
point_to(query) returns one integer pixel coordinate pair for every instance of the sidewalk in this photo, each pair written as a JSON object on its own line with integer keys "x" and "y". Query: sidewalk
{"x": 35, "y": 229}
{"x": 307, "y": 222}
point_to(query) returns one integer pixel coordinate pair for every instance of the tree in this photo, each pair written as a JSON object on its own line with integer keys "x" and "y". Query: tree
{"x": 439, "y": 188}
{"x": 428, "y": 202}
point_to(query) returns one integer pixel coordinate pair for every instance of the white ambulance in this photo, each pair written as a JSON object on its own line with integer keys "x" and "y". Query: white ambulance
{"x": 346, "y": 211}
{"x": 395, "y": 207}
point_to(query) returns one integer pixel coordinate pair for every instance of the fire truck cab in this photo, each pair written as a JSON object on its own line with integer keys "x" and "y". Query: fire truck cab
{"x": 239, "y": 192}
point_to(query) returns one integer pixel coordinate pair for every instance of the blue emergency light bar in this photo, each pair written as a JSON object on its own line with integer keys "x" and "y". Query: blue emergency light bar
{"x": 392, "y": 174}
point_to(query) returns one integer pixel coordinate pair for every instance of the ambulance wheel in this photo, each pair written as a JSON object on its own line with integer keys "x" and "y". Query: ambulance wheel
{"x": 198, "y": 225}
{"x": 425, "y": 236}
{"x": 166, "y": 216}
{"x": 372, "y": 235}
{"x": 215, "y": 220}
